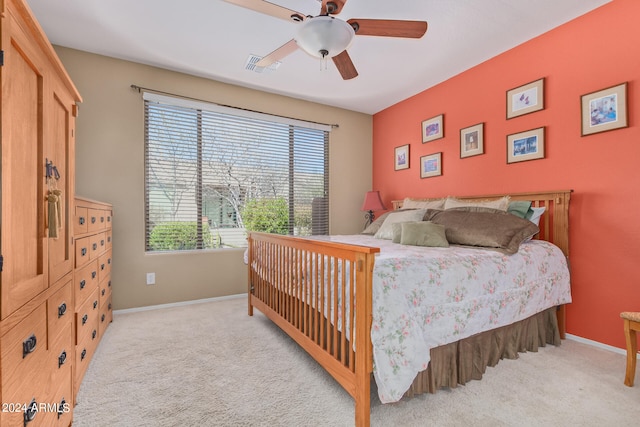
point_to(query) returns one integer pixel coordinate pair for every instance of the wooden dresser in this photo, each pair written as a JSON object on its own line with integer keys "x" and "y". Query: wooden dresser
{"x": 91, "y": 279}
{"x": 37, "y": 140}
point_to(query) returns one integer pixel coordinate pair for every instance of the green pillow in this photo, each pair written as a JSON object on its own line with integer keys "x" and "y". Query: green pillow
{"x": 423, "y": 233}
{"x": 520, "y": 208}
{"x": 397, "y": 232}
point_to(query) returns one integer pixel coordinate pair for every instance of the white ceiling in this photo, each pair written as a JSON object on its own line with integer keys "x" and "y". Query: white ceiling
{"x": 213, "y": 39}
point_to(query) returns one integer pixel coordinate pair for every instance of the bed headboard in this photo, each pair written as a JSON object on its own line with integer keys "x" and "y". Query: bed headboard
{"x": 554, "y": 223}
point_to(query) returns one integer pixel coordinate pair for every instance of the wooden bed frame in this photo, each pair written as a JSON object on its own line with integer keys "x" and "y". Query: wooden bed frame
{"x": 291, "y": 282}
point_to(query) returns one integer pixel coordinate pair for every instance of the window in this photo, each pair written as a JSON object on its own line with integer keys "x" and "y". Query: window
{"x": 213, "y": 173}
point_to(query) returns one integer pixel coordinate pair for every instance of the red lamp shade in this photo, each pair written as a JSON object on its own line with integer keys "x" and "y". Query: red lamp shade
{"x": 373, "y": 202}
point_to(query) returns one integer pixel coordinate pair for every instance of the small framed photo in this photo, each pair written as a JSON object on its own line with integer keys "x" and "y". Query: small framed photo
{"x": 523, "y": 146}
{"x": 402, "y": 157}
{"x": 472, "y": 140}
{"x": 433, "y": 128}
{"x": 604, "y": 110}
{"x": 431, "y": 165}
{"x": 525, "y": 99}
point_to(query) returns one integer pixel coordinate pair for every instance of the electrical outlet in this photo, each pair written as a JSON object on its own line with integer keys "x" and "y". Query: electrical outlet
{"x": 151, "y": 278}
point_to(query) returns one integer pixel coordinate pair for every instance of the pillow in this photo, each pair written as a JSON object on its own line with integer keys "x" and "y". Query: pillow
{"x": 423, "y": 233}
{"x": 375, "y": 225}
{"x": 423, "y": 203}
{"x": 485, "y": 227}
{"x": 520, "y": 208}
{"x": 386, "y": 230}
{"x": 535, "y": 214}
{"x": 397, "y": 232}
{"x": 501, "y": 203}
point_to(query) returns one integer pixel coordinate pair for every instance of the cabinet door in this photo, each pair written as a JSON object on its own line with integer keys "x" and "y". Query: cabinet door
{"x": 23, "y": 244}
{"x": 59, "y": 150}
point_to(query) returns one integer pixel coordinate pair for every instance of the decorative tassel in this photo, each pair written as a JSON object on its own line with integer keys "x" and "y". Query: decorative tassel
{"x": 53, "y": 215}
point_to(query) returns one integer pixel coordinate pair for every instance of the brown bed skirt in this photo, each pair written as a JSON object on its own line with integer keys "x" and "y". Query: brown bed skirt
{"x": 467, "y": 359}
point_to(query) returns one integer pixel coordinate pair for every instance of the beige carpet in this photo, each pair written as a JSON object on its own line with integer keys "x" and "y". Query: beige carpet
{"x": 210, "y": 364}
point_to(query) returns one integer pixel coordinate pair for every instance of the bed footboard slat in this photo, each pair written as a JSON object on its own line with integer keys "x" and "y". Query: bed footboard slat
{"x": 311, "y": 290}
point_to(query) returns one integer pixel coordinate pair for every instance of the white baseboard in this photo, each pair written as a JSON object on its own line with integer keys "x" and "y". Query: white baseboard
{"x": 176, "y": 304}
{"x": 598, "y": 344}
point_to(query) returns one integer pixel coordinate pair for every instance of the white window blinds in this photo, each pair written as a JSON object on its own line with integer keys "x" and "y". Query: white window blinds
{"x": 212, "y": 173}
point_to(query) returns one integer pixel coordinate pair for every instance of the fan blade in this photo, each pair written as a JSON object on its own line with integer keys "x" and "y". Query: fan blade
{"x": 388, "y": 28}
{"x": 334, "y": 6}
{"x": 286, "y": 49}
{"x": 345, "y": 65}
{"x": 270, "y": 9}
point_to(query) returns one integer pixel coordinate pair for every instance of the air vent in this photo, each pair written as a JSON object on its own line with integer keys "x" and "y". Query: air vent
{"x": 251, "y": 65}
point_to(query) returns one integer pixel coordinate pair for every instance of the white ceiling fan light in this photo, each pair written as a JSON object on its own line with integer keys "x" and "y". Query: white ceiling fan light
{"x": 324, "y": 36}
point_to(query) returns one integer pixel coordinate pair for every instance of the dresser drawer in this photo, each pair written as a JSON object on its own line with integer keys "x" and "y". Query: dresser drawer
{"x": 84, "y": 352}
{"x": 95, "y": 249}
{"x": 106, "y": 315}
{"x": 60, "y": 398}
{"x": 109, "y": 234}
{"x": 105, "y": 290}
{"x": 81, "y": 220}
{"x": 87, "y": 317}
{"x": 85, "y": 281}
{"x": 24, "y": 356}
{"x": 104, "y": 266}
{"x": 60, "y": 310}
{"x": 83, "y": 252}
{"x": 96, "y": 220}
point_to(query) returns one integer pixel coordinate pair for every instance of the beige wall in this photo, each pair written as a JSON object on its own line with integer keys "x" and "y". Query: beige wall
{"x": 110, "y": 167}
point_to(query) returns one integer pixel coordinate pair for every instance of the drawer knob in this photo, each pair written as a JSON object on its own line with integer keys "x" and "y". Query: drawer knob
{"x": 95, "y": 246}
{"x": 82, "y": 220}
{"x": 102, "y": 318}
{"x": 104, "y": 291}
{"x": 109, "y": 284}
{"x": 108, "y": 219}
{"x": 93, "y": 274}
{"x": 108, "y": 239}
{"x": 30, "y": 411}
{"x": 83, "y": 283}
{"x": 83, "y": 251}
{"x": 101, "y": 219}
{"x": 102, "y": 242}
{"x": 85, "y": 318}
{"x": 101, "y": 266}
{"x": 93, "y": 220}
{"x": 62, "y": 308}
{"x": 83, "y": 354}
{"x": 109, "y": 307}
{"x": 109, "y": 261}
{"x": 29, "y": 346}
{"x": 93, "y": 334}
{"x": 62, "y": 359}
{"x": 62, "y": 408}
{"x": 95, "y": 304}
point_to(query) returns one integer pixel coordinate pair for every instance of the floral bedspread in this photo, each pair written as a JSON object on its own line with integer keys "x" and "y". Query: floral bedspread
{"x": 427, "y": 297}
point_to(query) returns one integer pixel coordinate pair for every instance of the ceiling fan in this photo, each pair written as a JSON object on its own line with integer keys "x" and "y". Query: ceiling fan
{"x": 325, "y": 36}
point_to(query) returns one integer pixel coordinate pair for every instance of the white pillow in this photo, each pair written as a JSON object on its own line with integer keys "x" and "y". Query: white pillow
{"x": 501, "y": 203}
{"x": 537, "y": 213}
{"x": 422, "y": 203}
{"x": 386, "y": 230}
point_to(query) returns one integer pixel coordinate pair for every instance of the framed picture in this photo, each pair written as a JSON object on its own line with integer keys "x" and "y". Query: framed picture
{"x": 472, "y": 140}
{"x": 523, "y": 146}
{"x": 431, "y": 165}
{"x": 401, "y": 158}
{"x": 525, "y": 99}
{"x": 433, "y": 128}
{"x": 604, "y": 110}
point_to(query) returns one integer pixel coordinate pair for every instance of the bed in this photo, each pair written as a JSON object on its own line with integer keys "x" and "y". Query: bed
{"x": 334, "y": 295}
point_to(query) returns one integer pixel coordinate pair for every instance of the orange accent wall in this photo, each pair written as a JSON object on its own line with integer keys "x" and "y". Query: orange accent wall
{"x": 595, "y": 51}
